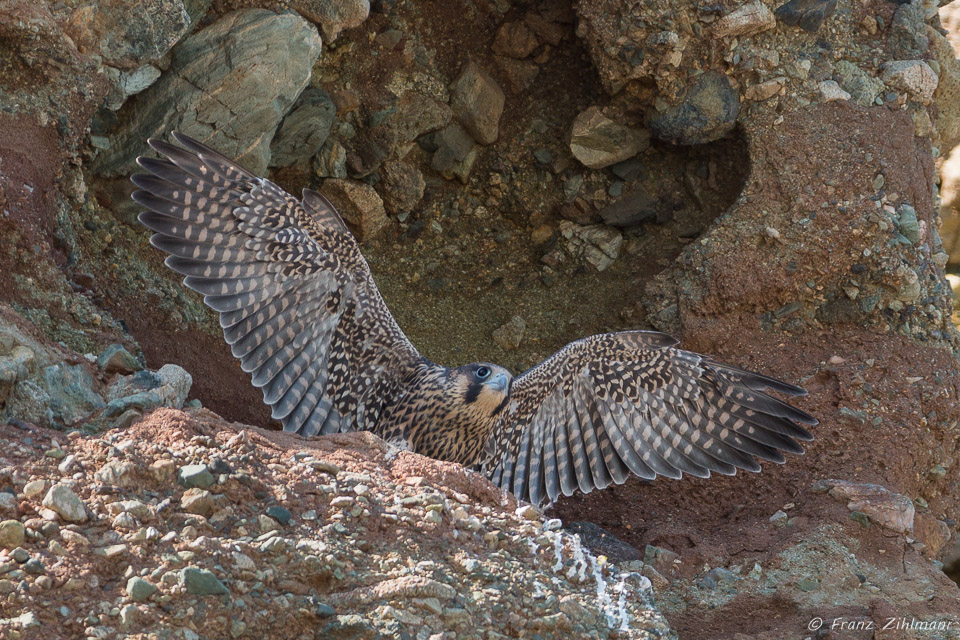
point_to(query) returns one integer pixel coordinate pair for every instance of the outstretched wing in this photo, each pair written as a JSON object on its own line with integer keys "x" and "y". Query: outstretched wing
{"x": 614, "y": 404}
{"x": 297, "y": 302}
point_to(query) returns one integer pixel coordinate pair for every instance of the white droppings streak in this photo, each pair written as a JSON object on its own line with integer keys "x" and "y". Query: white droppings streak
{"x": 622, "y": 612}
{"x": 557, "y": 549}
{"x": 629, "y": 585}
{"x": 579, "y": 557}
{"x": 603, "y": 598}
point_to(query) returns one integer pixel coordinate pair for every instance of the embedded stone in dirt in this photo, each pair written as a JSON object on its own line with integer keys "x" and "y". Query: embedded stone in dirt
{"x": 477, "y": 101}
{"x": 359, "y": 204}
{"x": 65, "y": 503}
{"x": 707, "y": 111}
{"x": 598, "y": 142}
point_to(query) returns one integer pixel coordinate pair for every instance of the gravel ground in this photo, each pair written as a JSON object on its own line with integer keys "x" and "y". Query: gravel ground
{"x": 185, "y": 526}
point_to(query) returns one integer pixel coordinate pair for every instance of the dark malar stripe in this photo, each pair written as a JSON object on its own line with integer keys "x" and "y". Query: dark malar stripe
{"x": 473, "y": 392}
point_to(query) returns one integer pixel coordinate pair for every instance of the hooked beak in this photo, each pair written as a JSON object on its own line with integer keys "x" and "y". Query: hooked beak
{"x": 500, "y": 382}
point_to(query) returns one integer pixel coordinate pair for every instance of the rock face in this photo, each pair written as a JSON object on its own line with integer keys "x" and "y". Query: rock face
{"x": 233, "y": 102}
{"x": 786, "y": 218}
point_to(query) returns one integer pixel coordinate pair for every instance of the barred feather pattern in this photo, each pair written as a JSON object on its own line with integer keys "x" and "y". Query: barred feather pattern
{"x": 297, "y": 302}
{"x": 300, "y": 310}
{"x": 614, "y": 405}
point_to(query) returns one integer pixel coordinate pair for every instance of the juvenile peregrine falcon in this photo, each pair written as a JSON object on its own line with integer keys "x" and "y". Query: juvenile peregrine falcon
{"x": 299, "y": 308}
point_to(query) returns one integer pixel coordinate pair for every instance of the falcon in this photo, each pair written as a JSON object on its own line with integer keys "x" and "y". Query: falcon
{"x": 299, "y": 308}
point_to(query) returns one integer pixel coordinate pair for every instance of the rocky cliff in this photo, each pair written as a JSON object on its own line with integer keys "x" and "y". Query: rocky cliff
{"x": 758, "y": 178}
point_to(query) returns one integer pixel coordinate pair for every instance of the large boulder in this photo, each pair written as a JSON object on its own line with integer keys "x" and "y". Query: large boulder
{"x": 228, "y": 86}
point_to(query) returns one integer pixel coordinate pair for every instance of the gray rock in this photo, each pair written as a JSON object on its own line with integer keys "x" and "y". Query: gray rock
{"x": 8, "y": 377}
{"x": 888, "y": 509}
{"x": 510, "y": 334}
{"x": 598, "y": 142}
{"x": 908, "y": 32}
{"x": 909, "y": 225}
{"x": 477, "y": 101}
{"x": 8, "y": 504}
{"x": 746, "y": 20}
{"x": 806, "y": 14}
{"x": 201, "y": 582}
{"x": 35, "y": 488}
{"x": 175, "y": 385}
{"x": 333, "y": 16}
{"x": 453, "y": 144}
{"x": 116, "y": 359}
{"x": 133, "y": 82}
{"x": 630, "y": 210}
{"x": 401, "y": 186}
{"x": 65, "y": 503}
{"x": 304, "y": 130}
{"x": 139, "y": 402}
{"x": 628, "y": 170}
{"x": 117, "y": 473}
{"x": 124, "y": 386}
{"x": 418, "y": 114}
{"x": 18, "y": 365}
{"x": 12, "y": 534}
{"x": 280, "y": 514}
{"x": 707, "y": 111}
{"x": 598, "y": 245}
{"x": 195, "y": 475}
{"x": 359, "y": 204}
{"x": 199, "y": 501}
{"x": 862, "y": 86}
{"x": 830, "y": 91}
{"x": 348, "y": 626}
{"x": 913, "y": 76}
{"x": 34, "y": 567}
{"x": 126, "y": 418}
{"x": 232, "y": 102}
{"x": 332, "y": 160}
{"x": 72, "y": 397}
{"x": 29, "y": 402}
{"x": 139, "y": 589}
{"x": 128, "y": 615}
{"x": 127, "y": 34}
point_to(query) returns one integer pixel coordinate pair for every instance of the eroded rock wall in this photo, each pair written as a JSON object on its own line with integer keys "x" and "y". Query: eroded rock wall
{"x": 757, "y": 178}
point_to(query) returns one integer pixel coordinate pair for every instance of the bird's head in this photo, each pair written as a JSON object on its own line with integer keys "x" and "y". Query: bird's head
{"x": 483, "y": 385}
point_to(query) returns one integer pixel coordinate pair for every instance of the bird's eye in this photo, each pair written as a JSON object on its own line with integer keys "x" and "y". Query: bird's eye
{"x": 483, "y": 372}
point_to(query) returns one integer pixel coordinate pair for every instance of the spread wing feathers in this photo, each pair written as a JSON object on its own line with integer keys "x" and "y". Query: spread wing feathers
{"x": 297, "y": 303}
{"x": 608, "y": 406}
